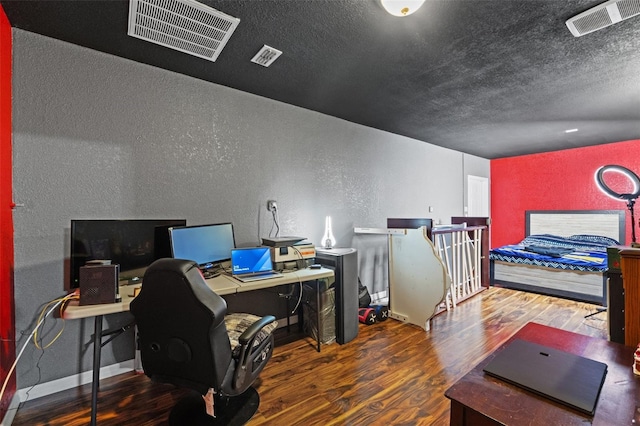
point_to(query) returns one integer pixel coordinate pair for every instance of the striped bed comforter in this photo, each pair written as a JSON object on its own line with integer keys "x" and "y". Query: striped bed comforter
{"x": 586, "y": 253}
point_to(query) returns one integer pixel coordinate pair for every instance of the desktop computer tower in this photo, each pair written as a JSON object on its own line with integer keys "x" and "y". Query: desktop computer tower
{"x": 98, "y": 284}
{"x": 344, "y": 262}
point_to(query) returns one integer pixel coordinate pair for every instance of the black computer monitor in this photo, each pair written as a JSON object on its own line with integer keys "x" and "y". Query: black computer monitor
{"x": 131, "y": 243}
{"x": 207, "y": 245}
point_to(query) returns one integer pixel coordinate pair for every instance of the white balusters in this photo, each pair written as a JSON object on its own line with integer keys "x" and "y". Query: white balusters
{"x": 460, "y": 251}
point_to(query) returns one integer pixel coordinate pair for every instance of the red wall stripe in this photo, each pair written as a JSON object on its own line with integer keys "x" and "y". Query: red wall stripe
{"x": 560, "y": 180}
{"x": 7, "y": 305}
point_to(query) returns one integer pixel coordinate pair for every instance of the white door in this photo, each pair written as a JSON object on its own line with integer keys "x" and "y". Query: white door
{"x": 477, "y": 196}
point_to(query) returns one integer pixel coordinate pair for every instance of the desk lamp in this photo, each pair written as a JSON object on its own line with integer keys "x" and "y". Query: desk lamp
{"x": 328, "y": 240}
{"x": 630, "y": 198}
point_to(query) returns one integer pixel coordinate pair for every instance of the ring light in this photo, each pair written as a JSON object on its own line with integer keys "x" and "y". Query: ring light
{"x": 630, "y": 198}
{"x": 623, "y": 171}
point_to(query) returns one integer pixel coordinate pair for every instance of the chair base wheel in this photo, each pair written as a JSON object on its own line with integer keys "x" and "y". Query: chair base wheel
{"x": 235, "y": 411}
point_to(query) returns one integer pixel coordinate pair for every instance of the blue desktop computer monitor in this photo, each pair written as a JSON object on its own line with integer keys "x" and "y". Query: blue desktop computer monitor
{"x": 207, "y": 245}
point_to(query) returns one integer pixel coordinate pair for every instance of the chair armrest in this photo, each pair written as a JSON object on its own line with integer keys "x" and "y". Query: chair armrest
{"x": 250, "y": 333}
{"x": 252, "y": 354}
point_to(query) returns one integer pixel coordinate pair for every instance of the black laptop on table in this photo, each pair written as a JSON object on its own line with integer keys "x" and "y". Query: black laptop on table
{"x": 566, "y": 378}
{"x": 252, "y": 264}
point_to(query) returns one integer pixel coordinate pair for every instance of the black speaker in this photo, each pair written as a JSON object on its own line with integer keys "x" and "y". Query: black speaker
{"x": 99, "y": 284}
{"x": 344, "y": 262}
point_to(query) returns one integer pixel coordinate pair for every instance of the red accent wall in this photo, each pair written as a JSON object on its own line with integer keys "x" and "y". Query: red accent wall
{"x": 7, "y": 306}
{"x": 560, "y": 180}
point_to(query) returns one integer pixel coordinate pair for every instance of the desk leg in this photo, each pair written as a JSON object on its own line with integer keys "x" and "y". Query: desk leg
{"x": 97, "y": 346}
{"x": 318, "y": 311}
{"x": 461, "y": 415}
{"x": 288, "y": 315}
{"x": 456, "y": 414}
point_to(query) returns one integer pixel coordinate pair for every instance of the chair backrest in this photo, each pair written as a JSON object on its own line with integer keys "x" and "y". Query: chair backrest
{"x": 181, "y": 328}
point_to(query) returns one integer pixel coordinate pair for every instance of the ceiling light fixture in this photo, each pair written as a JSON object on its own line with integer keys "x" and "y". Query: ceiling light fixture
{"x": 571, "y": 130}
{"x": 401, "y": 7}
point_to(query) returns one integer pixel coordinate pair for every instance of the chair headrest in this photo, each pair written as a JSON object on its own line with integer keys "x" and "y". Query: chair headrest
{"x": 179, "y": 266}
{"x": 176, "y": 284}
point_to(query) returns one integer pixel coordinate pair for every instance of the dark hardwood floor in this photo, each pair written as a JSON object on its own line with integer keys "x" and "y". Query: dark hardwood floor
{"x": 392, "y": 374}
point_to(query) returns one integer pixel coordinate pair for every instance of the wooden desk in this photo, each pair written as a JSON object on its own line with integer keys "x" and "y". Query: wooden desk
{"x": 478, "y": 399}
{"x": 222, "y": 285}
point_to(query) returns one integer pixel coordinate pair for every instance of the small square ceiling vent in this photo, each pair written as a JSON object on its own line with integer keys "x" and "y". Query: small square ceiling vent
{"x": 266, "y": 56}
{"x": 184, "y": 25}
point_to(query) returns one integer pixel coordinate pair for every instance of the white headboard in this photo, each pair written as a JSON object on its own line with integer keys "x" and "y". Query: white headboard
{"x": 609, "y": 223}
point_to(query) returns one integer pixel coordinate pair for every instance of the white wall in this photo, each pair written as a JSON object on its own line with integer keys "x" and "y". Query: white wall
{"x": 97, "y": 136}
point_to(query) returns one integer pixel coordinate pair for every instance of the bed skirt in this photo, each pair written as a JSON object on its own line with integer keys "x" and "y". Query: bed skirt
{"x": 583, "y": 286}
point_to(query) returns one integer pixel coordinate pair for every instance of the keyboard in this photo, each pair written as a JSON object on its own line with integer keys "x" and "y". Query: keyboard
{"x": 258, "y": 277}
{"x": 209, "y": 273}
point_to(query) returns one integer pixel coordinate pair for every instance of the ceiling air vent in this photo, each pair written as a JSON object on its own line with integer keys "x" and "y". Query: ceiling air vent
{"x": 266, "y": 56}
{"x": 601, "y": 16}
{"x": 184, "y": 25}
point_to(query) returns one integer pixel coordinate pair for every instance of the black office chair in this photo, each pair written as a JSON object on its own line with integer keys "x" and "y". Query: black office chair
{"x": 184, "y": 340}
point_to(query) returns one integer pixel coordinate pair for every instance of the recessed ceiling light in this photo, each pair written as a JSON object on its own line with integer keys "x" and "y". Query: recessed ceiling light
{"x": 571, "y": 130}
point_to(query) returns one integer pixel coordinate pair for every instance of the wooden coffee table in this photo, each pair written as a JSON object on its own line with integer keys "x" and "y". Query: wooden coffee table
{"x": 478, "y": 399}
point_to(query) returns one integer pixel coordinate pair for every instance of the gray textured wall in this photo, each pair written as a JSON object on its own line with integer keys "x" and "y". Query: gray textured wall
{"x": 97, "y": 136}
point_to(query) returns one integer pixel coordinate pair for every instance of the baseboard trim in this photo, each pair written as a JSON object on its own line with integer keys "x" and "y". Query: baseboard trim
{"x": 7, "y": 420}
{"x": 49, "y": 388}
{"x": 64, "y": 383}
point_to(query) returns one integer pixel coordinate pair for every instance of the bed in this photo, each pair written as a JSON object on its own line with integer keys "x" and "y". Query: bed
{"x": 563, "y": 254}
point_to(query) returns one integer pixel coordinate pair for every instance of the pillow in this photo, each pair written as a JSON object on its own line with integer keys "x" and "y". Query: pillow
{"x": 546, "y": 240}
{"x": 598, "y": 239}
{"x": 238, "y": 323}
{"x": 594, "y": 243}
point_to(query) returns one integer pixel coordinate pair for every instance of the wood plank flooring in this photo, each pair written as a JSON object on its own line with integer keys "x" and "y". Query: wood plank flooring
{"x": 391, "y": 374}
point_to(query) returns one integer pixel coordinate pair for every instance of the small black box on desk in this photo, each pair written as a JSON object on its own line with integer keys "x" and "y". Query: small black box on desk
{"x": 99, "y": 284}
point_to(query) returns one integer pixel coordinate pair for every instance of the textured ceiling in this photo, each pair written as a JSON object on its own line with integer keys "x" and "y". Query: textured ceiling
{"x": 493, "y": 78}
